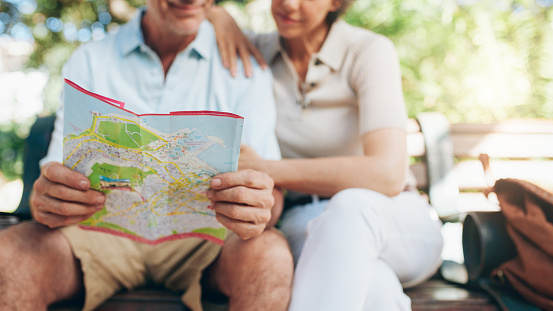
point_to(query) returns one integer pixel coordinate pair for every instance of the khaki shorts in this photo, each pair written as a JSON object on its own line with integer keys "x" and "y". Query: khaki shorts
{"x": 111, "y": 263}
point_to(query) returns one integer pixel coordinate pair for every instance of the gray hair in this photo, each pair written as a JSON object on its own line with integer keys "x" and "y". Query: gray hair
{"x": 331, "y": 17}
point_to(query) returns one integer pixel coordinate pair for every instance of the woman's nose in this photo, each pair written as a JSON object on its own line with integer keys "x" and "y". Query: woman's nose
{"x": 291, "y": 4}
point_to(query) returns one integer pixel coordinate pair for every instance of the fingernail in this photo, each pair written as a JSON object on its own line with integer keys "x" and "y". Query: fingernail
{"x": 209, "y": 194}
{"x": 101, "y": 199}
{"x": 83, "y": 184}
{"x": 216, "y": 182}
{"x": 233, "y": 73}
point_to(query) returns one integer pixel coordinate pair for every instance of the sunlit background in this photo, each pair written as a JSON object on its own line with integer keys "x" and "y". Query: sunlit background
{"x": 473, "y": 60}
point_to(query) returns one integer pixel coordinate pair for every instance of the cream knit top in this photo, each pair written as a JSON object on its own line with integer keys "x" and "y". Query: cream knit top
{"x": 353, "y": 86}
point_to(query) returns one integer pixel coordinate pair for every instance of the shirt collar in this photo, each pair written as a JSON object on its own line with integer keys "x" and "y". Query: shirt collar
{"x": 273, "y": 46}
{"x": 203, "y": 43}
{"x": 132, "y": 37}
{"x": 332, "y": 52}
{"x": 335, "y": 46}
{"x": 131, "y": 33}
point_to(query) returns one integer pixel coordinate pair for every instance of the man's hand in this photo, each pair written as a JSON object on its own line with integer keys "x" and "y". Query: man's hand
{"x": 61, "y": 197}
{"x": 242, "y": 201}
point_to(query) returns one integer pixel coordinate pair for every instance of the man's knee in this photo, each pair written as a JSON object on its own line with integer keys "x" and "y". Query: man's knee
{"x": 261, "y": 258}
{"x": 23, "y": 246}
{"x": 255, "y": 274}
{"x": 269, "y": 247}
{"x": 33, "y": 253}
{"x": 18, "y": 259}
{"x": 30, "y": 239}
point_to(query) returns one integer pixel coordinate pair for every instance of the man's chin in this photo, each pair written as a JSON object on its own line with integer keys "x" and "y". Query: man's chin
{"x": 186, "y": 28}
{"x": 186, "y": 11}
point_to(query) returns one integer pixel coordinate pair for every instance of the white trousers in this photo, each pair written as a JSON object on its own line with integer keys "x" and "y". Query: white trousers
{"x": 360, "y": 249}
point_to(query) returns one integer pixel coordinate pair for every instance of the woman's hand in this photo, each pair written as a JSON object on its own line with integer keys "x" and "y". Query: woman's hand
{"x": 232, "y": 42}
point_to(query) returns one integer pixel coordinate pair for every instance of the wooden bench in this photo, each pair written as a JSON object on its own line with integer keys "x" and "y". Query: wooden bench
{"x": 521, "y": 148}
{"x": 454, "y": 165}
{"x": 445, "y": 161}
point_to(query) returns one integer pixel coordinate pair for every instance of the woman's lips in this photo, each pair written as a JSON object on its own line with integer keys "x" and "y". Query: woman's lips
{"x": 287, "y": 20}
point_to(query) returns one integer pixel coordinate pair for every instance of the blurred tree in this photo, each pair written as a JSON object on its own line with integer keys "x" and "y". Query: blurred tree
{"x": 58, "y": 27}
{"x": 55, "y": 29}
{"x": 474, "y": 60}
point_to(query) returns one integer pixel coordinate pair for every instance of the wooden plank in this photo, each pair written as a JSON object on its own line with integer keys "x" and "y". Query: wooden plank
{"x": 144, "y": 299}
{"x": 413, "y": 126}
{"x": 148, "y": 294}
{"x": 415, "y": 144}
{"x": 476, "y": 202}
{"x": 513, "y": 126}
{"x": 440, "y": 295}
{"x": 141, "y": 306}
{"x": 503, "y": 145}
{"x": 419, "y": 171}
{"x": 524, "y": 138}
{"x": 431, "y": 295}
{"x": 470, "y": 174}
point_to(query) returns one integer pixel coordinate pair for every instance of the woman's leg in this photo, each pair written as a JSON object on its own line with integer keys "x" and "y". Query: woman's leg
{"x": 340, "y": 268}
{"x": 385, "y": 292}
{"x": 294, "y": 223}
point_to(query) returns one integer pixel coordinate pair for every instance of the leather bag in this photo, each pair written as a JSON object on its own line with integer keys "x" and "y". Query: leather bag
{"x": 528, "y": 210}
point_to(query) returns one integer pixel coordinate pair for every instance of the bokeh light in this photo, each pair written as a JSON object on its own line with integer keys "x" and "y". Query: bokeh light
{"x": 27, "y": 6}
{"x": 21, "y": 32}
{"x": 84, "y": 35}
{"x": 104, "y": 18}
{"x": 70, "y": 31}
{"x": 54, "y": 24}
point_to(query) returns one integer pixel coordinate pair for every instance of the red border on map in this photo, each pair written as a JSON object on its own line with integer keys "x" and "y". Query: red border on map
{"x": 121, "y": 105}
{"x": 158, "y": 241}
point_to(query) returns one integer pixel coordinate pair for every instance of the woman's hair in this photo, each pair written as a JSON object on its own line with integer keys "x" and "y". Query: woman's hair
{"x": 331, "y": 17}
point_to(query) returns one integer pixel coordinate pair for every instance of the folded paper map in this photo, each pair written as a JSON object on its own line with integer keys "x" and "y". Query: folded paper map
{"x": 154, "y": 168}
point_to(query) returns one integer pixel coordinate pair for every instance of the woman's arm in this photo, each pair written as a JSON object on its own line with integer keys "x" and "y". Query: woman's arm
{"x": 382, "y": 168}
{"x": 232, "y": 42}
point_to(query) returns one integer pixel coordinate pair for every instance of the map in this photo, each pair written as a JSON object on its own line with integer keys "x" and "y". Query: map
{"x": 154, "y": 168}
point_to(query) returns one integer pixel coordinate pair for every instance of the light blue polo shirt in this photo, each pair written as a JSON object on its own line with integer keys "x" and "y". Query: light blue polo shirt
{"x": 123, "y": 67}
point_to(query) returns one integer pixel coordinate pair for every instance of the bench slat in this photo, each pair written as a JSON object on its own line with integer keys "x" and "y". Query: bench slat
{"x": 503, "y": 145}
{"x": 470, "y": 174}
{"x": 513, "y": 126}
{"x": 439, "y": 295}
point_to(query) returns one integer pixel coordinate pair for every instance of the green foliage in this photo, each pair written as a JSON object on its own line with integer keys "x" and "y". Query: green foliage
{"x": 11, "y": 152}
{"x": 475, "y": 61}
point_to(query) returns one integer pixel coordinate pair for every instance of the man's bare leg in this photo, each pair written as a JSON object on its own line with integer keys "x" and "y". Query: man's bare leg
{"x": 37, "y": 268}
{"x": 255, "y": 274}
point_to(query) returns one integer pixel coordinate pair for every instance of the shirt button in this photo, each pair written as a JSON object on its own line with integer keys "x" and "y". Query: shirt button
{"x": 318, "y": 62}
{"x": 312, "y": 84}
